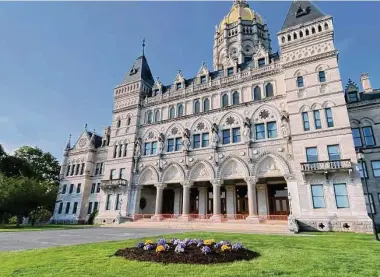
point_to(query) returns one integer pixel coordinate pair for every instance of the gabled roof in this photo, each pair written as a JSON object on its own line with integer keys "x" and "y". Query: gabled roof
{"x": 301, "y": 12}
{"x": 140, "y": 71}
{"x": 98, "y": 139}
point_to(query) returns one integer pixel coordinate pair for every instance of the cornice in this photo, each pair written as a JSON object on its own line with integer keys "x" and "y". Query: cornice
{"x": 363, "y": 103}
{"x": 323, "y": 133}
{"x": 307, "y": 60}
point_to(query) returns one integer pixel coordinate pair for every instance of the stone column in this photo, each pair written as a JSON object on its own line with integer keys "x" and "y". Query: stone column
{"x": 230, "y": 201}
{"x": 252, "y": 199}
{"x": 216, "y": 184}
{"x": 159, "y": 193}
{"x": 135, "y": 193}
{"x": 186, "y": 185}
{"x": 202, "y": 201}
{"x": 177, "y": 200}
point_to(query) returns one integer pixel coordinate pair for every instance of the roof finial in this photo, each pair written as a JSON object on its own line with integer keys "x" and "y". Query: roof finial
{"x": 68, "y": 145}
{"x": 143, "y": 47}
{"x": 85, "y": 126}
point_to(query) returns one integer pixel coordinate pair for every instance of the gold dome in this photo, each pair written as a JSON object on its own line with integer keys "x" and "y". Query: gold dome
{"x": 240, "y": 9}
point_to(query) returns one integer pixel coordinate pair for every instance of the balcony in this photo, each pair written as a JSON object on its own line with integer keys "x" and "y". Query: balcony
{"x": 326, "y": 166}
{"x": 113, "y": 184}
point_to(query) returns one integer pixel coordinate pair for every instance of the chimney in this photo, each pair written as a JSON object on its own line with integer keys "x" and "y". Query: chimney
{"x": 366, "y": 84}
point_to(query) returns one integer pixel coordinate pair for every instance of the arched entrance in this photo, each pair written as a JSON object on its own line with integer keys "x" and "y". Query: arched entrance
{"x": 168, "y": 201}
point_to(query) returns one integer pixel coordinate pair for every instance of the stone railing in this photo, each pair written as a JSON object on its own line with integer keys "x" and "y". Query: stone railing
{"x": 113, "y": 184}
{"x": 326, "y": 166}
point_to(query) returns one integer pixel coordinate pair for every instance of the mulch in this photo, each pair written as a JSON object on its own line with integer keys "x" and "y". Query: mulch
{"x": 192, "y": 255}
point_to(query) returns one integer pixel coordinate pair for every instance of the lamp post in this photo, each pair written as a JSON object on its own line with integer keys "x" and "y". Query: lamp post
{"x": 360, "y": 156}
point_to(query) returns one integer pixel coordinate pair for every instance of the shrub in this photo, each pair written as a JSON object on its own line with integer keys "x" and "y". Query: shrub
{"x": 91, "y": 218}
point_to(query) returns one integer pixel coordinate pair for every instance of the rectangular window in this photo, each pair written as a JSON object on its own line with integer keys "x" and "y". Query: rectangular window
{"x": 329, "y": 117}
{"x": 236, "y": 135}
{"x": 334, "y": 153}
{"x": 71, "y": 188}
{"x": 376, "y": 168}
{"x": 108, "y": 202}
{"x": 247, "y": 59}
{"x": 312, "y": 154}
{"x": 300, "y": 81}
{"x": 75, "y": 207}
{"x": 352, "y": 97}
{"x": 93, "y": 187}
{"x": 272, "y": 129}
{"x": 82, "y": 169}
{"x": 203, "y": 79}
{"x": 72, "y": 169}
{"x": 357, "y": 137}
{"x": 79, "y": 187}
{"x": 170, "y": 145}
{"x": 154, "y": 148}
{"x": 260, "y": 131}
{"x": 98, "y": 188}
{"x": 306, "y": 123}
{"x": 68, "y": 170}
{"x": 179, "y": 86}
{"x": 369, "y": 203}
{"x": 362, "y": 167}
{"x": 317, "y": 194}
{"x": 147, "y": 149}
{"x": 226, "y": 136}
{"x": 120, "y": 150}
{"x": 97, "y": 167}
{"x": 261, "y": 62}
{"x": 96, "y": 206}
{"x": 196, "y": 141}
{"x": 89, "y": 210}
{"x": 122, "y": 173}
{"x": 322, "y": 76}
{"x": 101, "y": 169}
{"x": 114, "y": 151}
{"x": 77, "y": 169}
{"x": 205, "y": 140}
{"x": 369, "y": 140}
{"x": 230, "y": 71}
{"x": 60, "y": 208}
{"x": 317, "y": 120}
{"x": 341, "y": 196}
{"x": 67, "y": 208}
{"x": 113, "y": 174}
{"x": 125, "y": 150}
{"x": 64, "y": 189}
{"x": 178, "y": 144}
{"x": 118, "y": 202}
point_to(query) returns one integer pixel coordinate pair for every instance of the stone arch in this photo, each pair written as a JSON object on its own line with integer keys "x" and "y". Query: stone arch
{"x": 365, "y": 121}
{"x": 201, "y": 171}
{"x": 148, "y": 176}
{"x": 321, "y": 67}
{"x": 174, "y": 130}
{"x": 328, "y": 104}
{"x": 270, "y": 165}
{"x": 300, "y": 72}
{"x": 173, "y": 174}
{"x": 304, "y": 108}
{"x": 195, "y": 127}
{"x": 354, "y": 123}
{"x": 151, "y": 134}
{"x": 238, "y": 120}
{"x": 316, "y": 106}
{"x": 233, "y": 168}
{"x": 274, "y": 113}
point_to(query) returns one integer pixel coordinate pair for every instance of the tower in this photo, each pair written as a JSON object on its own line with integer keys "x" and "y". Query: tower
{"x": 239, "y": 35}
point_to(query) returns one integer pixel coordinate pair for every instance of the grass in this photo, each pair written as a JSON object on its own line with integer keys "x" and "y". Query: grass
{"x": 328, "y": 254}
{"x": 13, "y": 228}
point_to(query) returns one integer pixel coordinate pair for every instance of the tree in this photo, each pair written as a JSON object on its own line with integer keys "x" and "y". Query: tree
{"x": 44, "y": 165}
{"x": 2, "y": 152}
{"x": 12, "y": 166}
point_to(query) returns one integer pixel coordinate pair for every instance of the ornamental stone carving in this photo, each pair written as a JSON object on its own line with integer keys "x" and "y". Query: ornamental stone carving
{"x": 201, "y": 172}
{"x": 247, "y": 131}
{"x": 186, "y": 140}
{"x": 161, "y": 144}
{"x": 233, "y": 169}
{"x": 216, "y": 182}
{"x": 214, "y": 135}
{"x": 138, "y": 148}
{"x": 251, "y": 180}
{"x": 160, "y": 185}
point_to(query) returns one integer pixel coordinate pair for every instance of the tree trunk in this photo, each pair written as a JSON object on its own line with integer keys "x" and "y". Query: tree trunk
{"x": 34, "y": 217}
{"x": 19, "y": 219}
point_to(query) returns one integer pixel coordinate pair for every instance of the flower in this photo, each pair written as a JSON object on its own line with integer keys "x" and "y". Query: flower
{"x": 140, "y": 245}
{"x": 149, "y": 247}
{"x": 161, "y": 242}
{"x": 225, "y": 247}
{"x": 206, "y": 250}
{"x": 209, "y": 241}
{"x": 237, "y": 246}
{"x": 148, "y": 241}
{"x": 166, "y": 246}
{"x": 160, "y": 248}
{"x": 176, "y": 241}
{"x": 218, "y": 245}
{"x": 180, "y": 248}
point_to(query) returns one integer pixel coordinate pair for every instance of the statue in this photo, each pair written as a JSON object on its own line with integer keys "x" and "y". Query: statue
{"x": 247, "y": 130}
{"x": 285, "y": 128}
{"x": 161, "y": 144}
{"x": 214, "y": 135}
{"x": 138, "y": 148}
{"x": 186, "y": 140}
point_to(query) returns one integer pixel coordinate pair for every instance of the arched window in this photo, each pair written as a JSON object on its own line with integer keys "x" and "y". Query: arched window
{"x": 295, "y": 36}
{"x": 171, "y": 112}
{"x": 256, "y": 93}
{"x": 269, "y": 90}
{"x": 118, "y": 124}
{"x": 300, "y": 81}
{"x": 224, "y": 100}
{"x": 319, "y": 28}
{"x": 307, "y": 32}
{"x": 289, "y": 38}
{"x": 197, "y": 107}
{"x": 301, "y": 34}
{"x": 283, "y": 39}
{"x": 235, "y": 98}
{"x": 206, "y": 105}
{"x": 322, "y": 76}
{"x": 150, "y": 117}
{"x": 180, "y": 110}
{"x": 326, "y": 26}
{"x": 128, "y": 121}
{"x": 313, "y": 30}
{"x": 157, "y": 116}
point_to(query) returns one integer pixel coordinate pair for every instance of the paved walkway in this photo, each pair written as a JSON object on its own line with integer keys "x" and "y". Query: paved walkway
{"x": 51, "y": 238}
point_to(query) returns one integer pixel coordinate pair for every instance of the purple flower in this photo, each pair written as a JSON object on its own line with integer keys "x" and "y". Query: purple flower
{"x": 149, "y": 247}
{"x": 218, "y": 245}
{"x": 200, "y": 244}
{"x": 140, "y": 245}
{"x": 180, "y": 248}
{"x": 206, "y": 250}
{"x": 166, "y": 246}
{"x": 237, "y": 246}
{"x": 161, "y": 242}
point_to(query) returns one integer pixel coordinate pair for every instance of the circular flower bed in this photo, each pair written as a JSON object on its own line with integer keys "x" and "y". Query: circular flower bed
{"x": 187, "y": 251}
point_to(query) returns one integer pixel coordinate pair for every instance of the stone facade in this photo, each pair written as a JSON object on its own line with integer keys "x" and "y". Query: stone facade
{"x": 261, "y": 136}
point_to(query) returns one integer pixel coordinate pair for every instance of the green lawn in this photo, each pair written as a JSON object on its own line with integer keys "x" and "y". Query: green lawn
{"x": 329, "y": 254}
{"x": 13, "y": 228}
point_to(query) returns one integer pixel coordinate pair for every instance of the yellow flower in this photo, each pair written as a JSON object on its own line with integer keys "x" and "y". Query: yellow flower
{"x": 225, "y": 247}
{"x": 148, "y": 241}
{"x": 160, "y": 248}
{"x": 209, "y": 241}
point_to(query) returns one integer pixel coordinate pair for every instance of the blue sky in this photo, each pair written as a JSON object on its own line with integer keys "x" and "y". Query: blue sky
{"x": 61, "y": 60}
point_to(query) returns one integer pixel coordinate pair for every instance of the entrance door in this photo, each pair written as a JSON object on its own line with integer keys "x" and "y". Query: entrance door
{"x": 278, "y": 200}
{"x": 194, "y": 201}
{"x": 168, "y": 201}
{"x": 242, "y": 200}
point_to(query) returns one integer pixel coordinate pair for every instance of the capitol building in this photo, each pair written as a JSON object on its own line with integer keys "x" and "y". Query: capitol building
{"x": 260, "y": 136}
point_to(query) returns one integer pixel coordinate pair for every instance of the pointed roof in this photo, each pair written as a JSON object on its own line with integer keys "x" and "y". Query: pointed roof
{"x": 140, "y": 71}
{"x": 301, "y": 12}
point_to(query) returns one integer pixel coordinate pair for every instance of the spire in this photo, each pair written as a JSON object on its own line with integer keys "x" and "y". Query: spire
{"x": 92, "y": 140}
{"x": 140, "y": 71}
{"x": 68, "y": 145}
{"x": 85, "y": 127}
{"x": 301, "y": 12}
{"x": 143, "y": 47}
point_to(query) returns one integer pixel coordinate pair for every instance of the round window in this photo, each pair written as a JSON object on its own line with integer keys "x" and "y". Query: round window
{"x": 142, "y": 203}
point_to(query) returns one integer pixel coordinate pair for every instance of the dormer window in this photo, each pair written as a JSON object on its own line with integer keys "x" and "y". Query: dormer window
{"x": 179, "y": 86}
{"x": 203, "y": 79}
{"x": 155, "y": 92}
{"x": 352, "y": 97}
{"x": 302, "y": 12}
{"x": 230, "y": 71}
{"x": 261, "y": 62}
{"x": 133, "y": 71}
{"x": 247, "y": 59}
